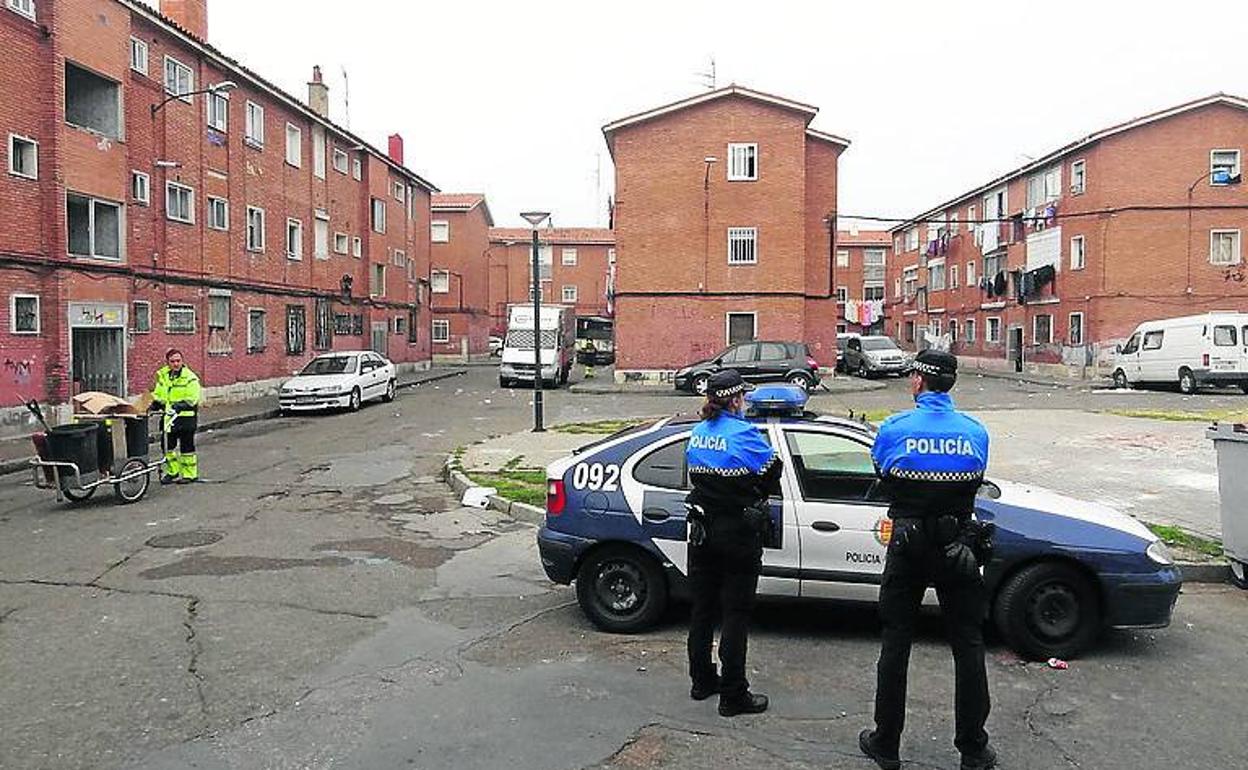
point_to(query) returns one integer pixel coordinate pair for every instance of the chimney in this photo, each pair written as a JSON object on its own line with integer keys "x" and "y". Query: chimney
{"x": 396, "y": 148}
{"x": 190, "y": 15}
{"x": 318, "y": 94}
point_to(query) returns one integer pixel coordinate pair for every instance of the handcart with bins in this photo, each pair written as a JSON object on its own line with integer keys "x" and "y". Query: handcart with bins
{"x": 95, "y": 450}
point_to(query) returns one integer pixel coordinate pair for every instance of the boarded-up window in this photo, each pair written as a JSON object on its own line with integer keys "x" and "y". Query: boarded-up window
{"x": 255, "y": 331}
{"x": 218, "y": 322}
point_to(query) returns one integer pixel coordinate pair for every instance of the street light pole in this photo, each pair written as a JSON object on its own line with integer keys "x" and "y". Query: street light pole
{"x": 535, "y": 218}
{"x": 1221, "y": 177}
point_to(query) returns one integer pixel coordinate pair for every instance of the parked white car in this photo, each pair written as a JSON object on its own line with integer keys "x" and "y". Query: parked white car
{"x": 339, "y": 380}
{"x": 1206, "y": 349}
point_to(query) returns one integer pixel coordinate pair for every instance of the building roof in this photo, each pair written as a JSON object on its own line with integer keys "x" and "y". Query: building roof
{"x": 1081, "y": 144}
{"x": 722, "y": 93}
{"x": 568, "y": 235}
{"x": 864, "y": 238}
{"x": 219, "y": 59}
{"x": 461, "y": 202}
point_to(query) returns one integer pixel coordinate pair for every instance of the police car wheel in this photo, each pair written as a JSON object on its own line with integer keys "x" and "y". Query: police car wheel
{"x": 621, "y": 589}
{"x": 1048, "y": 610}
{"x": 1239, "y": 574}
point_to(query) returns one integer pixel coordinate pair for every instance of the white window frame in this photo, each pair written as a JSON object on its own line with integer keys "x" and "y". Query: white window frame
{"x": 953, "y": 330}
{"x": 400, "y": 191}
{"x": 1079, "y": 177}
{"x": 567, "y": 257}
{"x": 346, "y": 161}
{"x": 1070, "y": 324}
{"x": 320, "y": 226}
{"x": 254, "y": 345}
{"x": 1079, "y": 247}
{"x": 842, "y": 294}
{"x": 177, "y": 187}
{"x": 933, "y": 326}
{"x": 146, "y": 198}
{"x": 92, "y": 202}
{"x": 319, "y": 144}
{"x": 440, "y": 281}
{"x": 138, "y": 62}
{"x": 357, "y": 247}
{"x": 22, "y": 8}
{"x": 738, "y": 167}
{"x": 968, "y": 330}
{"x": 218, "y": 205}
{"x": 14, "y": 139}
{"x": 218, "y": 111}
{"x": 250, "y": 244}
{"x": 294, "y": 141}
{"x": 842, "y": 257}
{"x": 970, "y": 273}
{"x": 1236, "y": 258}
{"x": 134, "y": 321}
{"x": 180, "y": 307}
{"x": 381, "y": 284}
{"x": 445, "y": 326}
{"x": 178, "y": 68}
{"x": 254, "y": 130}
{"x": 440, "y": 231}
{"x": 934, "y": 268}
{"x": 743, "y": 235}
{"x": 989, "y": 337}
{"x": 13, "y": 298}
{"x": 377, "y": 215}
{"x": 294, "y": 251}
{"x": 346, "y": 243}
{"x": 952, "y": 273}
{"x": 1235, "y": 168}
{"x": 728, "y": 323}
{"x": 357, "y": 169}
{"x": 569, "y": 297}
{"x": 1035, "y": 327}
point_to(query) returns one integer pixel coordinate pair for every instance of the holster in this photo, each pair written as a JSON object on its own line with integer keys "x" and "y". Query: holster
{"x": 758, "y": 517}
{"x": 699, "y": 521}
{"x": 978, "y": 535}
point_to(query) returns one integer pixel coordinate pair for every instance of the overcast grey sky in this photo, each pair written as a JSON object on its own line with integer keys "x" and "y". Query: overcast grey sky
{"x": 509, "y": 98}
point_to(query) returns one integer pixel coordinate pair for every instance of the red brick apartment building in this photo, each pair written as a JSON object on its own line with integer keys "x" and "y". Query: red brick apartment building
{"x": 861, "y": 263}
{"x": 576, "y": 266}
{"x": 1048, "y": 267}
{"x": 459, "y": 276}
{"x": 721, "y": 223}
{"x": 241, "y": 226}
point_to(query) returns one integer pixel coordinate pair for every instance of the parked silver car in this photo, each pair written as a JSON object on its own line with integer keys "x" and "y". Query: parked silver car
{"x": 875, "y": 355}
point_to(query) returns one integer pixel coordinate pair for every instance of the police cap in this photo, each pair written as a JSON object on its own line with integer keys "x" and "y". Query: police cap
{"x": 935, "y": 363}
{"x": 726, "y": 383}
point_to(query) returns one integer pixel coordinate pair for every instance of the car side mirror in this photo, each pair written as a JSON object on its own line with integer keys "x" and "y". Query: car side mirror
{"x": 1117, "y": 348}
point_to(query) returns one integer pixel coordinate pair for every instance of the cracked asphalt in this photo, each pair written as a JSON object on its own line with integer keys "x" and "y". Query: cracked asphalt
{"x": 344, "y": 611}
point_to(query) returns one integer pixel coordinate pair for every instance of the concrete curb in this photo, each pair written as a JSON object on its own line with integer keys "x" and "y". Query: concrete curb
{"x": 1204, "y": 573}
{"x": 460, "y": 483}
{"x": 1085, "y": 384}
{"x": 8, "y": 467}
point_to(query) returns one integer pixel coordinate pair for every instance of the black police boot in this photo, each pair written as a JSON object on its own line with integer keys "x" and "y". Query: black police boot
{"x": 702, "y": 691}
{"x": 866, "y": 742}
{"x": 747, "y": 703}
{"x": 983, "y": 760}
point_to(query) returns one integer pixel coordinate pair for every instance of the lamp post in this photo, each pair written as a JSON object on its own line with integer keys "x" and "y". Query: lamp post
{"x": 1220, "y": 176}
{"x": 535, "y": 219}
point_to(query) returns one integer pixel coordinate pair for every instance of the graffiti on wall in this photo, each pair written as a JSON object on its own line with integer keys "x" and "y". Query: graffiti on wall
{"x": 21, "y": 377}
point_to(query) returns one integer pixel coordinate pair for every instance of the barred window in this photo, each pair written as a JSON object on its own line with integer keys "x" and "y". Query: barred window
{"x": 742, "y": 245}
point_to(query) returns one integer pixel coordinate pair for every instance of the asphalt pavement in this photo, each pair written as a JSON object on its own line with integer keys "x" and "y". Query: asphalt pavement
{"x": 322, "y": 601}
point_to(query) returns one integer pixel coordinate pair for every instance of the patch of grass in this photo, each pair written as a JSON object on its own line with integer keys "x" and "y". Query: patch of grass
{"x": 1178, "y": 415}
{"x": 599, "y": 427}
{"x": 875, "y": 416}
{"x": 517, "y": 486}
{"x": 1173, "y": 536}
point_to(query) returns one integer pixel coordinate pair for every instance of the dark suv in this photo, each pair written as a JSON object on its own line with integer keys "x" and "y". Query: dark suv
{"x": 756, "y": 361}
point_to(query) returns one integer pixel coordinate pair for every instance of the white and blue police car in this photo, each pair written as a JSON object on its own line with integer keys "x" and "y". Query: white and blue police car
{"x": 1062, "y": 569}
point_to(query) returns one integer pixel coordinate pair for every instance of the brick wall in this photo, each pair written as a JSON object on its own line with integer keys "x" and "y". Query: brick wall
{"x": 510, "y": 262}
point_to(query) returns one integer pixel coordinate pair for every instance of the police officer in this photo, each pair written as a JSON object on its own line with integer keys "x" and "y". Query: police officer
{"x": 177, "y": 394}
{"x": 733, "y": 471}
{"x": 931, "y": 461}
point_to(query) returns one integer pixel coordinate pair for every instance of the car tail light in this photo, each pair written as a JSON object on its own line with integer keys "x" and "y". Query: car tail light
{"x": 1205, "y": 359}
{"x": 556, "y": 500}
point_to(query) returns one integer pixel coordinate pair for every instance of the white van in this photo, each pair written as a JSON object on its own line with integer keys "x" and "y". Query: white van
{"x": 1211, "y": 348}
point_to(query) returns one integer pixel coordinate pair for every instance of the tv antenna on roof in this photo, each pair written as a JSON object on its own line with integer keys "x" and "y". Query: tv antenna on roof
{"x": 346, "y": 98}
{"x": 708, "y": 78}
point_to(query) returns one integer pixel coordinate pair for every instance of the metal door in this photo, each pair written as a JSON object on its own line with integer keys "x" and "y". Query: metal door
{"x": 380, "y": 337}
{"x": 98, "y": 360}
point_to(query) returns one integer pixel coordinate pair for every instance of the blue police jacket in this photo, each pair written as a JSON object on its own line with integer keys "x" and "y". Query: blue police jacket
{"x": 931, "y": 460}
{"x": 731, "y": 465}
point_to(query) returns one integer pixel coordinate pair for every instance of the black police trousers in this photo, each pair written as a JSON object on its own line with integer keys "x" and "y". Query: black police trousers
{"x": 723, "y": 577}
{"x": 908, "y": 571}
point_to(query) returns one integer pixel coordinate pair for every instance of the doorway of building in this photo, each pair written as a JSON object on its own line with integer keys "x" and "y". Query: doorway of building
{"x": 380, "y": 336}
{"x": 1014, "y": 350}
{"x": 98, "y": 360}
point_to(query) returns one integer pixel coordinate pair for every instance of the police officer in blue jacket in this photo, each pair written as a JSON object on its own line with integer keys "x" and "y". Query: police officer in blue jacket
{"x": 931, "y": 462}
{"x": 733, "y": 471}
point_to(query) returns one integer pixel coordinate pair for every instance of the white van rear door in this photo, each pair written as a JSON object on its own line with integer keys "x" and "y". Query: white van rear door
{"x": 1226, "y": 354}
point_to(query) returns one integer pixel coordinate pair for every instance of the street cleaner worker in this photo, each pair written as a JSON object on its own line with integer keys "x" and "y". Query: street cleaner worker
{"x": 733, "y": 471}
{"x": 931, "y": 462}
{"x": 177, "y": 394}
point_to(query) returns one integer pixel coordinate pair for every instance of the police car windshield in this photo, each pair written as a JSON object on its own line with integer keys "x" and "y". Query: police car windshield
{"x": 329, "y": 365}
{"x": 878, "y": 343}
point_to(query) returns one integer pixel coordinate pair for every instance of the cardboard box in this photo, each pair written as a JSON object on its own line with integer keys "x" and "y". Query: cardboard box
{"x": 95, "y": 402}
